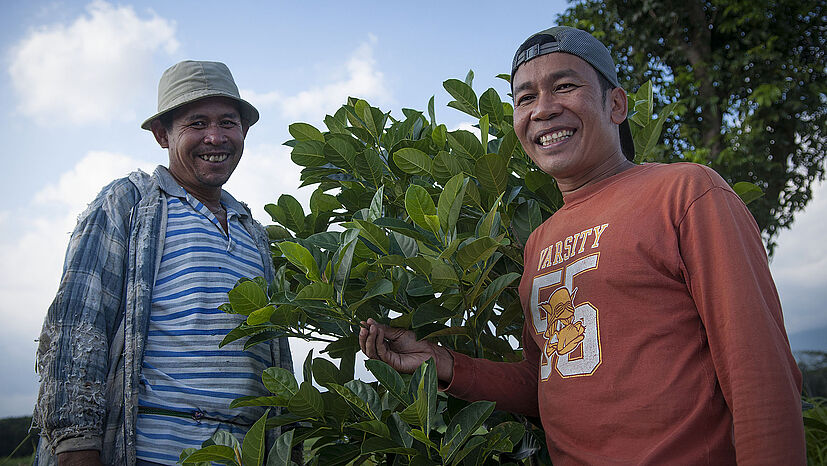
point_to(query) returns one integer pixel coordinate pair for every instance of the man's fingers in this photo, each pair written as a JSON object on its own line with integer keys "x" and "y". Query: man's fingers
{"x": 363, "y": 335}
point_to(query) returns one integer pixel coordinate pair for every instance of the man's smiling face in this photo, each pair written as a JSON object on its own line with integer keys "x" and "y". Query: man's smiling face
{"x": 205, "y": 142}
{"x": 562, "y": 119}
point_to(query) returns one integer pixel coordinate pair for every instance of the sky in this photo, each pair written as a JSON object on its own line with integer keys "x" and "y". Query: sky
{"x": 78, "y": 78}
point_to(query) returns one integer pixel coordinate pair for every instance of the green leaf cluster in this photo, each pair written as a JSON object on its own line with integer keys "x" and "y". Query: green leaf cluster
{"x": 417, "y": 227}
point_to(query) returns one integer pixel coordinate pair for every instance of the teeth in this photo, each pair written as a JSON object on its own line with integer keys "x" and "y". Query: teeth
{"x": 214, "y": 158}
{"x": 554, "y": 137}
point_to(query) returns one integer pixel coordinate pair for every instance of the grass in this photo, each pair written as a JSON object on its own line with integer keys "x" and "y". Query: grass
{"x": 20, "y": 461}
{"x": 815, "y": 431}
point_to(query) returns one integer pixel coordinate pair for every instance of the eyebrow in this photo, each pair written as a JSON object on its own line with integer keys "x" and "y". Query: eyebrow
{"x": 199, "y": 116}
{"x": 564, "y": 73}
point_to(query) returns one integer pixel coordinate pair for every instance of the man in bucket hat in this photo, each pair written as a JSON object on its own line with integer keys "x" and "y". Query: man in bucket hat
{"x": 131, "y": 370}
{"x": 673, "y": 349}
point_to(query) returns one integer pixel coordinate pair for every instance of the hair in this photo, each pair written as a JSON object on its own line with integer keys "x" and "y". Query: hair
{"x": 166, "y": 120}
{"x": 605, "y": 85}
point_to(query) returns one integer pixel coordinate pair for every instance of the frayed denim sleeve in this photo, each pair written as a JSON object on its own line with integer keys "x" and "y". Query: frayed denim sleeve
{"x": 73, "y": 350}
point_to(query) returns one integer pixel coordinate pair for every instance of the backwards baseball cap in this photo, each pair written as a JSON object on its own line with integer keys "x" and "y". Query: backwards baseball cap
{"x": 583, "y": 45}
{"x": 189, "y": 81}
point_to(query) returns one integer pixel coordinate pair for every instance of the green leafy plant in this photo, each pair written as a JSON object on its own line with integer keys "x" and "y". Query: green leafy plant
{"x": 418, "y": 227}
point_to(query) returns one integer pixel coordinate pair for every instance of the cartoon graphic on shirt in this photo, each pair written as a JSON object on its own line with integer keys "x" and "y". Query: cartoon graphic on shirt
{"x": 570, "y": 332}
{"x": 563, "y": 333}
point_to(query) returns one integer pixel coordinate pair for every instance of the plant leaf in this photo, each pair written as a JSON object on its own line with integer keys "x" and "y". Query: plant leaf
{"x": 308, "y": 154}
{"x": 492, "y": 105}
{"x": 221, "y": 453}
{"x": 280, "y": 453}
{"x": 450, "y": 202}
{"x": 299, "y": 256}
{"x": 412, "y": 161}
{"x": 375, "y": 209}
{"x": 321, "y": 202}
{"x": 492, "y": 172}
{"x": 307, "y": 402}
{"x": 465, "y": 144}
{"x": 280, "y": 382}
{"x": 247, "y": 297}
{"x": 466, "y": 99}
{"x": 464, "y": 424}
{"x": 388, "y": 378}
{"x": 305, "y": 132}
{"x": 252, "y": 450}
{"x": 316, "y": 290}
{"x": 748, "y": 192}
{"x": 445, "y": 166}
{"x": 260, "y": 316}
{"x": 373, "y": 426}
{"x": 478, "y": 250}
{"x": 419, "y": 204}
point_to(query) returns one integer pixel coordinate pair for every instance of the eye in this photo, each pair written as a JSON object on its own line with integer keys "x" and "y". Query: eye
{"x": 566, "y": 86}
{"x": 197, "y": 124}
{"x": 523, "y": 99}
{"x": 229, "y": 123}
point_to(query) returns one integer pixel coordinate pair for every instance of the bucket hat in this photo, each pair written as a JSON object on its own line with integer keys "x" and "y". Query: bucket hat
{"x": 189, "y": 81}
{"x": 583, "y": 45}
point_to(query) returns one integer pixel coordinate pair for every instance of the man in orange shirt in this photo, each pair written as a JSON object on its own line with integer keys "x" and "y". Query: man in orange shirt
{"x": 653, "y": 330}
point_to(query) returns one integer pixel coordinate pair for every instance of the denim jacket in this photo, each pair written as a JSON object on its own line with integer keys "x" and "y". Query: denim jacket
{"x": 91, "y": 347}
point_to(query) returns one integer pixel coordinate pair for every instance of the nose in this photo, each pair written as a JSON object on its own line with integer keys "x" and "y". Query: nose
{"x": 546, "y": 107}
{"x": 214, "y": 135}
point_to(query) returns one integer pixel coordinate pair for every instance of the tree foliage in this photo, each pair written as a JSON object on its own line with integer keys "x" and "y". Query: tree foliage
{"x": 749, "y": 81}
{"x": 411, "y": 225}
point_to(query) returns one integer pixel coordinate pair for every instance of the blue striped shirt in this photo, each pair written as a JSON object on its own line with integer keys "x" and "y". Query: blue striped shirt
{"x": 183, "y": 369}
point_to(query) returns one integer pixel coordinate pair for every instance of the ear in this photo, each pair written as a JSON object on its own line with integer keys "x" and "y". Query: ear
{"x": 619, "y": 105}
{"x": 160, "y": 133}
{"x": 244, "y": 127}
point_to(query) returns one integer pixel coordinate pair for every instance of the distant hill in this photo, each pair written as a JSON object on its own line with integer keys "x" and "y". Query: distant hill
{"x": 809, "y": 340}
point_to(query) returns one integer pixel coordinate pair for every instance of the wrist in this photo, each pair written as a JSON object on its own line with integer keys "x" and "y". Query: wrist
{"x": 444, "y": 364}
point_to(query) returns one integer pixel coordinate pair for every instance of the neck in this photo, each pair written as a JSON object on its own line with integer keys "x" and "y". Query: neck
{"x": 612, "y": 166}
{"x": 207, "y": 195}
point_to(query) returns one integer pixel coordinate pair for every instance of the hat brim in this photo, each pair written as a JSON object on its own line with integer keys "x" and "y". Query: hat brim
{"x": 249, "y": 113}
{"x": 627, "y": 142}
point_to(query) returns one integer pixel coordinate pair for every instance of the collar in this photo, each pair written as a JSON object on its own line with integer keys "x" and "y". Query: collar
{"x": 171, "y": 187}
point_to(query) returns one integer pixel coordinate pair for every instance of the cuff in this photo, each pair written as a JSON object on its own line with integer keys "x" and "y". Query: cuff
{"x": 463, "y": 375}
{"x": 85, "y": 442}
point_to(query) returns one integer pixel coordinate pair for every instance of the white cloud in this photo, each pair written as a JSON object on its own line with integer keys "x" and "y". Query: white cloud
{"x": 359, "y": 77}
{"x": 32, "y": 247}
{"x": 79, "y": 185}
{"x": 92, "y": 70}
{"x": 33, "y": 251}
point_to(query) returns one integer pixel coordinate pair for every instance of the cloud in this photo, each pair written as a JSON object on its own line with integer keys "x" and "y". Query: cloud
{"x": 359, "y": 77}
{"x": 79, "y": 185}
{"x": 32, "y": 247}
{"x": 91, "y": 70}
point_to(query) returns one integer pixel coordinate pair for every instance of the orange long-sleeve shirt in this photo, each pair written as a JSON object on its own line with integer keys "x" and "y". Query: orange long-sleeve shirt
{"x": 653, "y": 329}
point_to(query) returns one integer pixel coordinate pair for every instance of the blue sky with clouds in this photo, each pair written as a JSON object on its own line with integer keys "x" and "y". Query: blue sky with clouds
{"x": 78, "y": 78}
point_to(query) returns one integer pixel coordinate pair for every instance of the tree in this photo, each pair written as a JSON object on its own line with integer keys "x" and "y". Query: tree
{"x": 749, "y": 79}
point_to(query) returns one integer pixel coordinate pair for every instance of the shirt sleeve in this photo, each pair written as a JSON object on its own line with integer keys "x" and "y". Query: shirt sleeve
{"x": 726, "y": 269}
{"x": 73, "y": 349}
{"x": 512, "y": 385}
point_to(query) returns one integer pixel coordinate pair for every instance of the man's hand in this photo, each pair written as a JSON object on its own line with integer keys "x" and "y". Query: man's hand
{"x": 79, "y": 458}
{"x": 400, "y": 349}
